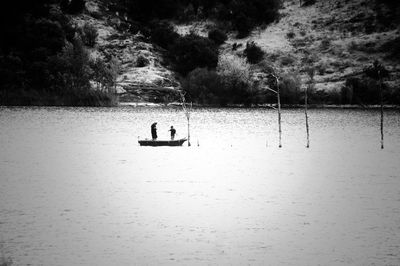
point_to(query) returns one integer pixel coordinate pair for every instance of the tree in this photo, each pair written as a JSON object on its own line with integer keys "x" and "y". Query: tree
{"x": 89, "y": 34}
{"x": 272, "y": 83}
{"x": 204, "y": 86}
{"x": 253, "y": 52}
{"x": 235, "y": 77}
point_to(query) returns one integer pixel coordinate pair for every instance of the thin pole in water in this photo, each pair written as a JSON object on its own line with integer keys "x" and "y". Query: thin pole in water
{"x": 277, "y": 92}
{"x": 187, "y": 113}
{"x": 311, "y": 73}
{"x": 188, "y": 119}
{"x": 305, "y": 110}
{"x": 279, "y": 112}
{"x": 381, "y": 96}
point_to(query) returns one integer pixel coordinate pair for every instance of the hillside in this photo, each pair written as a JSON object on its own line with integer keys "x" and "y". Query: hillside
{"x": 77, "y": 52}
{"x": 339, "y": 38}
{"x": 142, "y": 75}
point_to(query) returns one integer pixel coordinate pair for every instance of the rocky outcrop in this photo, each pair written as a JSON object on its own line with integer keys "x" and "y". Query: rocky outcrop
{"x": 142, "y": 76}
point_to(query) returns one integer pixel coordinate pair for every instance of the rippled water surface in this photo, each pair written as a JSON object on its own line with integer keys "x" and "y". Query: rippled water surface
{"x": 76, "y": 189}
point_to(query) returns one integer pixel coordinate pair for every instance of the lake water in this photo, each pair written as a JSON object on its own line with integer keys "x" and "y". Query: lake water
{"x": 76, "y": 189}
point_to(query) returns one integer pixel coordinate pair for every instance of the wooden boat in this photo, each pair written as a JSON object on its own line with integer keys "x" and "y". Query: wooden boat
{"x": 155, "y": 143}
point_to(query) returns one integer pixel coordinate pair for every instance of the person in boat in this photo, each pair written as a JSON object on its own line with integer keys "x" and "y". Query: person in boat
{"x": 173, "y": 132}
{"x": 154, "y": 131}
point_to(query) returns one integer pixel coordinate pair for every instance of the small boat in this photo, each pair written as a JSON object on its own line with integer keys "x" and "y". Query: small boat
{"x": 155, "y": 143}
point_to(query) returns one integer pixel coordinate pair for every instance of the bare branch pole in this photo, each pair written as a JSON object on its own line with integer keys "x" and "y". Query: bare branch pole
{"x": 310, "y": 73}
{"x": 378, "y": 72}
{"x": 305, "y": 111}
{"x": 381, "y": 96}
{"x": 279, "y": 114}
{"x": 277, "y": 91}
{"x": 187, "y": 113}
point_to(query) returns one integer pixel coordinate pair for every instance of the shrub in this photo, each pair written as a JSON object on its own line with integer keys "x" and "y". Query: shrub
{"x": 324, "y": 97}
{"x": 234, "y": 67}
{"x": 393, "y": 48}
{"x": 235, "y": 76}
{"x": 325, "y": 43}
{"x": 287, "y": 60}
{"x": 253, "y": 53}
{"x": 89, "y": 35}
{"x": 204, "y": 86}
{"x": 70, "y": 69}
{"x": 376, "y": 71}
{"x": 105, "y": 75}
{"x": 321, "y": 68}
{"x": 142, "y": 61}
{"x": 229, "y": 85}
{"x": 192, "y": 51}
{"x": 361, "y": 91}
{"x": 290, "y": 89}
{"x": 307, "y": 2}
{"x": 291, "y": 35}
{"x": 217, "y": 36}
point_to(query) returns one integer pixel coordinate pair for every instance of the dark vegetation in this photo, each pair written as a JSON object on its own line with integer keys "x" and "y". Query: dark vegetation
{"x": 365, "y": 89}
{"x": 393, "y": 48}
{"x": 253, "y": 53}
{"x": 229, "y": 84}
{"x": 88, "y": 35}
{"x": 192, "y": 51}
{"x": 185, "y": 52}
{"x": 217, "y": 36}
{"x": 43, "y": 58}
{"x": 142, "y": 61}
{"x": 72, "y": 6}
{"x": 388, "y": 12}
{"x": 239, "y": 15}
{"x": 206, "y": 86}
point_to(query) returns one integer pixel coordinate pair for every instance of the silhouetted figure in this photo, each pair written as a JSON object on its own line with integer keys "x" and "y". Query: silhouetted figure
{"x": 173, "y": 132}
{"x": 154, "y": 131}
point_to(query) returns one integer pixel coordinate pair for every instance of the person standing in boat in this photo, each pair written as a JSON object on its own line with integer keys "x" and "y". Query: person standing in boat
{"x": 154, "y": 131}
{"x": 173, "y": 132}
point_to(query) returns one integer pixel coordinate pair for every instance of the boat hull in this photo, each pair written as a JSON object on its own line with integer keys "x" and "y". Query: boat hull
{"x": 157, "y": 143}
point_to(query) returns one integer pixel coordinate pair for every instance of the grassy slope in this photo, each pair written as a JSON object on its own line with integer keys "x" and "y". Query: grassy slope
{"x": 331, "y": 32}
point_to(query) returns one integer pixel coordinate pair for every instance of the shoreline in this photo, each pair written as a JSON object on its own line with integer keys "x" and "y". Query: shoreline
{"x": 261, "y": 106}
{"x": 233, "y": 106}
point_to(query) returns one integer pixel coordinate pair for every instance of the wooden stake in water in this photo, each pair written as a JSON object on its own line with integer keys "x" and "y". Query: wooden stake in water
{"x": 311, "y": 73}
{"x": 277, "y": 91}
{"x": 187, "y": 113}
{"x": 305, "y": 111}
{"x": 279, "y": 112}
{"x": 381, "y": 96}
{"x": 378, "y": 72}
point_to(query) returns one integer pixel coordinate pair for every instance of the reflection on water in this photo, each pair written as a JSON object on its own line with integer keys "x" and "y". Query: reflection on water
{"x": 76, "y": 189}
